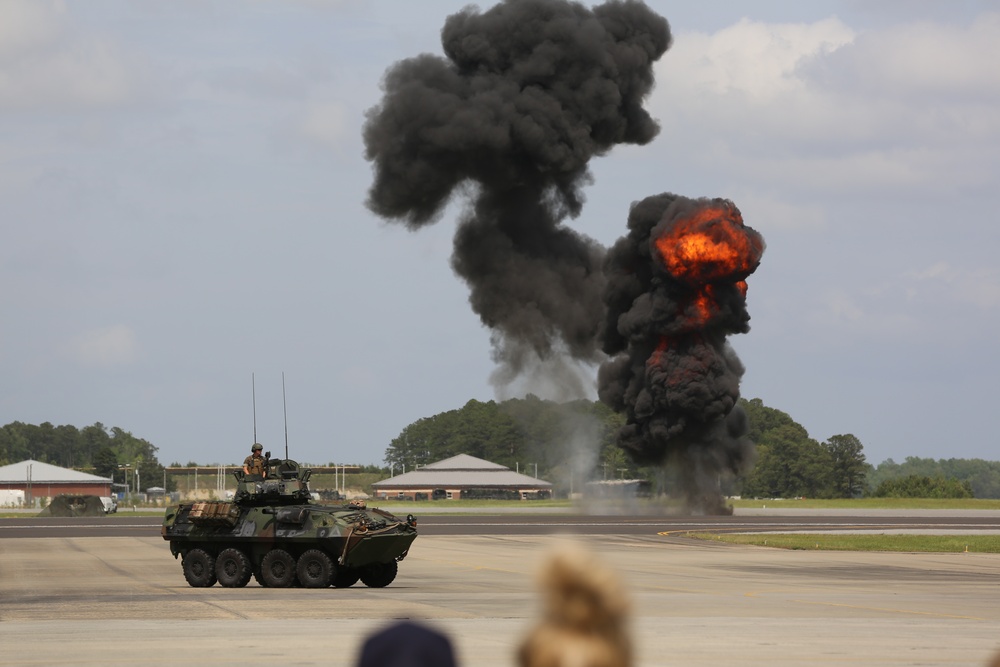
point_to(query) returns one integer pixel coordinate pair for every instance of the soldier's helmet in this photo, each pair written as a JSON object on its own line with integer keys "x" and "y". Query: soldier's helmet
{"x": 257, "y": 447}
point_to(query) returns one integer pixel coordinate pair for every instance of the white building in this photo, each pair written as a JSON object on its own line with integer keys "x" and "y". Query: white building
{"x": 462, "y": 476}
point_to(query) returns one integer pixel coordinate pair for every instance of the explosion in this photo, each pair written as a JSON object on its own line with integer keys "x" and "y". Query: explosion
{"x": 528, "y": 93}
{"x": 676, "y": 288}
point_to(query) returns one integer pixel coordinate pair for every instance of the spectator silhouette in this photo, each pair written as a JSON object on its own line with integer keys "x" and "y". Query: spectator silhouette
{"x": 407, "y": 644}
{"x": 584, "y": 615}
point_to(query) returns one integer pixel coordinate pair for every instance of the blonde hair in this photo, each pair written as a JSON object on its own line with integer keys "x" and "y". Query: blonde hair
{"x": 584, "y": 616}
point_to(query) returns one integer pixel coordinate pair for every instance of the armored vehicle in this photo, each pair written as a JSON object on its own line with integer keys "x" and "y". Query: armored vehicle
{"x": 274, "y": 532}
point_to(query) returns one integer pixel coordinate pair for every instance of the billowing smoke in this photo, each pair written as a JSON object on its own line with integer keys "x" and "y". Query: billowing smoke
{"x": 675, "y": 290}
{"x": 528, "y": 93}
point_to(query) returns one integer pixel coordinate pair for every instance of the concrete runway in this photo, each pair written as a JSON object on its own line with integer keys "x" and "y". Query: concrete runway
{"x": 123, "y": 601}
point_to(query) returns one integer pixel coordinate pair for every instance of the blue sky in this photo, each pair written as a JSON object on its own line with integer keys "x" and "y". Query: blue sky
{"x": 183, "y": 185}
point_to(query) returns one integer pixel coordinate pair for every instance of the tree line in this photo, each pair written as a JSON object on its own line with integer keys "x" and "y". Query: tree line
{"x": 95, "y": 449}
{"x": 579, "y": 438}
{"x": 568, "y": 444}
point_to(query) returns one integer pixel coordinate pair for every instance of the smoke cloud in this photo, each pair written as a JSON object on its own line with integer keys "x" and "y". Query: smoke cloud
{"x": 527, "y": 93}
{"x": 675, "y": 290}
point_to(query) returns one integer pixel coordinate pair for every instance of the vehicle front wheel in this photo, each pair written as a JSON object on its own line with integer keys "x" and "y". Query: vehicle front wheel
{"x": 378, "y": 575}
{"x": 277, "y": 570}
{"x": 199, "y": 568}
{"x": 232, "y": 568}
{"x": 315, "y": 569}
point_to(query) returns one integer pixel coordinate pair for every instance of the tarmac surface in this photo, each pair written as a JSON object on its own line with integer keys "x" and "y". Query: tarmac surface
{"x": 87, "y": 600}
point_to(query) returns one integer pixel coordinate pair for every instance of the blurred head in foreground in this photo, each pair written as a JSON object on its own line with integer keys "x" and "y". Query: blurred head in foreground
{"x": 407, "y": 644}
{"x": 584, "y": 615}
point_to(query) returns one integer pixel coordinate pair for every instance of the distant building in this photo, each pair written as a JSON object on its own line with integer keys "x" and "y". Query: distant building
{"x": 39, "y": 480}
{"x": 462, "y": 476}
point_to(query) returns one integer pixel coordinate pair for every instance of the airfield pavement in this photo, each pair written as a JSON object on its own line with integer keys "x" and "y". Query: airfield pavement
{"x": 124, "y": 601}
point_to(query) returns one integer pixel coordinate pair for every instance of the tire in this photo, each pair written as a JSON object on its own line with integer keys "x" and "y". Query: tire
{"x": 379, "y": 575}
{"x": 277, "y": 570}
{"x": 315, "y": 569}
{"x": 199, "y": 568}
{"x": 232, "y": 568}
{"x": 345, "y": 577}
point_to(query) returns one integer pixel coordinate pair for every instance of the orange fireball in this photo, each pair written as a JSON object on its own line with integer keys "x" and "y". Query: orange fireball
{"x": 709, "y": 246}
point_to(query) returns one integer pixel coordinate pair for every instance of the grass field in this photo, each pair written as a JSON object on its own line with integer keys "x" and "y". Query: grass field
{"x": 867, "y": 542}
{"x": 874, "y": 503}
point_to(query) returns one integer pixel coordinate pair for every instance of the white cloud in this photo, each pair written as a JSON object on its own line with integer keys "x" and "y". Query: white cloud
{"x": 768, "y": 212}
{"x": 979, "y": 287}
{"x": 839, "y": 313}
{"x": 927, "y": 302}
{"x": 757, "y": 60}
{"x": 45, "y": 63}
{"x": 26, "y": 23}
{"x": 825, "y": 107}
{"x": 109, "y": 346}
{"x": 920, "y": 59}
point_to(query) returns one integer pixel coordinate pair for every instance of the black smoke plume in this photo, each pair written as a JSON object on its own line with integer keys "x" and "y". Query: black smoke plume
{"x": 675, "y": 290}
{"x": 527, "y": 93}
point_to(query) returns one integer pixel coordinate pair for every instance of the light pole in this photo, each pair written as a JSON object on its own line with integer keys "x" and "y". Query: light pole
{"x": 124, "y": 468}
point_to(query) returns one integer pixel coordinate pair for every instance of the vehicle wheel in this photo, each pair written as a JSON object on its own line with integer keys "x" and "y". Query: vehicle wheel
{"x": 378, "y": 575}
{"x": 277, "y": 570}
{"x": 258, "y": 578}
{"x": 232, "y": 568}
{"x": 199, "y": 568}
{"x": 315, "y": 569}
{"x": 345, "y": 576}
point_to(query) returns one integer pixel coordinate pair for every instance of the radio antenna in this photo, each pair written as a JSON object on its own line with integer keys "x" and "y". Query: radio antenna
{"x": 284, "y": 406}
{"x": 253, "y": 391}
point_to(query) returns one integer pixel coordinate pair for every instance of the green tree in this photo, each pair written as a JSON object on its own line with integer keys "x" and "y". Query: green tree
{"x": 478, "y": 429}
{"x": 89, "y": 448}
{"x": 983, "y": 476}
{"x": 848, "y": 466}
{"x": 763, "y": 419}
{"x": 105, "y": 462}
{"x": 94, "y": 438}
{"x": 922, "y": 486}
{"x": 789, "y": 465}
{"x": 14, "y": 443}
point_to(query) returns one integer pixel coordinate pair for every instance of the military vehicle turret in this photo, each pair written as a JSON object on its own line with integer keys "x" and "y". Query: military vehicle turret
{"x": 273, "y": 532}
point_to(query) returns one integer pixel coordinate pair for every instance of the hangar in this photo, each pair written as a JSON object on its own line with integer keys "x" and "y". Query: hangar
{"x": 37, "y": 479}
{"x": 462, "y": 476}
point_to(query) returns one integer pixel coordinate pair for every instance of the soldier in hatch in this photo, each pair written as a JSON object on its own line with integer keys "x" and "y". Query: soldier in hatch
{"x": 254, "y": 464}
